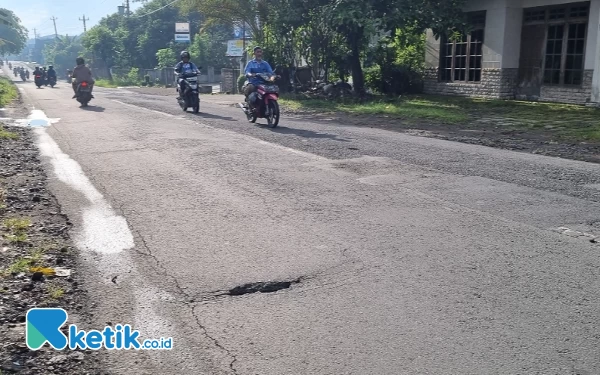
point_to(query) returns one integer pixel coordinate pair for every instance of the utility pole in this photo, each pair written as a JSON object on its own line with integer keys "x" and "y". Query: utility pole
{"x": 84, "y": 25}
{"x": 127, "y": 8}
{"x": 55, "y": 32}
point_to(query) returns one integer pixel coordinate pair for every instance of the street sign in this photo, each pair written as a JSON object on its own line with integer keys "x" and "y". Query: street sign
{"x": 182, "y": 27}
{"x": 235, "y": 48}
{"x": 182, "y": 38}
{"x": 238, "y": 32}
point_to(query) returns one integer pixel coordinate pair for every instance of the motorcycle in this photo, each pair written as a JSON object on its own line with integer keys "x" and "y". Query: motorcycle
{"x": 190, "y": 97}
{"x": 262, "y": 103}
{"x": 23, "y": 76}
{"x": 16, "y": 72}
{"x": 52, "y": 81}
{"x": 38, "y": 80}
{"x": 84, "y": 93}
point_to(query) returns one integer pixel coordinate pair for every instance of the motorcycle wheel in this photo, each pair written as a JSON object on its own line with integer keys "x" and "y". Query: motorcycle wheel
{"x": 196, "y": 104}
{"x": 273, "y": 117}
{"x": 251, "y": 116}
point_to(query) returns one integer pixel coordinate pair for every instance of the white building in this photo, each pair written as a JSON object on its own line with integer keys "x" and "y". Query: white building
{"x": 546, "y": 50}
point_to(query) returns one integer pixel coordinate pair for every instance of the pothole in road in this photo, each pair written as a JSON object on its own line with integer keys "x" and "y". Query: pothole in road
{"x": 261, "y": 287}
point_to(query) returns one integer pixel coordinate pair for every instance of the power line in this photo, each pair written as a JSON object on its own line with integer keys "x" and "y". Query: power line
{"x": 156, "y": 10}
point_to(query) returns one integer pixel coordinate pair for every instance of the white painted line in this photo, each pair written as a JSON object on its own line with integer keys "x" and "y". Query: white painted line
{"x": 103, "y": 230}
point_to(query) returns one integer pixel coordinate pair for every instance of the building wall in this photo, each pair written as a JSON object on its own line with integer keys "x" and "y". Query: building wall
{"x": 502, "y": 51}
{"x": 495, "y": 84}
{"x": 566, "y": 94}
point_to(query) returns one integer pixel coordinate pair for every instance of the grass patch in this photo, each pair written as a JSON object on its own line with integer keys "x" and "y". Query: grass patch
{"x": 23, "y": 264}
{"x": 17, "y": 229}
{"x": 560, "y": 121}
{"x": 55, "y": 292}
{"x": 5, "y": 134}
{"x": 410, "y": 108}
{"x": 8, "y": 91}
{"x": 105, "y": 83}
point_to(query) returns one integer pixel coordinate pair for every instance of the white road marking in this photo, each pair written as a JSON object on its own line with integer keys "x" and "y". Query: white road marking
{"x": 37, "y": 118}
{"x": 103, "y": 231}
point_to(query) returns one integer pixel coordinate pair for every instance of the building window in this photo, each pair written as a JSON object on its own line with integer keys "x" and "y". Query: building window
{"x": 566, "y": 30}
{"x": 461, "y": 55}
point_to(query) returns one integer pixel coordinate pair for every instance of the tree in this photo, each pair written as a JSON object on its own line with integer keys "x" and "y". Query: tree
{"x": 103, "y": 42}
{"x": 63, "y": 52}
{"x": 166, "y": 57}
{"x": 13, "y": 35}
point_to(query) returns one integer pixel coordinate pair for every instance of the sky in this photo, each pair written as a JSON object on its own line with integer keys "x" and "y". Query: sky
{"x": 37, "y": 14}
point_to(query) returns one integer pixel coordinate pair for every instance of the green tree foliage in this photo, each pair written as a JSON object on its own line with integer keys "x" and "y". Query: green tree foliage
{"x": 165, "y": 57}
{"x": 209, "y": 47}
{"x": 63, "y": 53}
{"x": 13, "y": 35}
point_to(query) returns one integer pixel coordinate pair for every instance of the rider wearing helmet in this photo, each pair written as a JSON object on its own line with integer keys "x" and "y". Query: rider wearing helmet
{"x": 81, "y": 73}
{"x": 185, "y": 66}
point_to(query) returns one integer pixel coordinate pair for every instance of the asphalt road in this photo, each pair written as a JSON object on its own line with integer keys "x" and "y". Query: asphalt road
{"x": 403, "y": 255}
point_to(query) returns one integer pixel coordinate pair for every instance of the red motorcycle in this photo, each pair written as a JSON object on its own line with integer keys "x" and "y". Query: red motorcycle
{"x": 263, "y": 102}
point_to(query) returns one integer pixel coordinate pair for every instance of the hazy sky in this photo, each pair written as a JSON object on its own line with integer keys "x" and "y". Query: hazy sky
{"x": 37, "y": 13}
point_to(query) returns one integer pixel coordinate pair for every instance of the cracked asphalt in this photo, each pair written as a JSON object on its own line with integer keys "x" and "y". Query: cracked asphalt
{"x": 414, "y": 255}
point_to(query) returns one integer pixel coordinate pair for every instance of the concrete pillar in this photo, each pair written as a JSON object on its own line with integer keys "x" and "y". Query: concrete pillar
{"x": 593, "y": 58}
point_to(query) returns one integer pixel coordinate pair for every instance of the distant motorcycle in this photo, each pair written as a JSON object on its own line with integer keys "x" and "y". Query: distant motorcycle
{"x": 263, "y": 102}
{"x": 52, "y": 81}
{"x": 23, "y": 76}
{"x": 190, "y": 97}
{"x": 38, "y": 80}
{"x": 84, "y": 93}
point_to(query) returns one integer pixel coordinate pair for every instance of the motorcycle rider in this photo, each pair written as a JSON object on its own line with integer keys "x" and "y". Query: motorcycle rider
{"x": 258, "y": 65}
{"x": 38, "y": 72}
{"x": 81, "y": 73}
{"x": 51, "y": 73}
{"x": 185, "y": 66}
{"x": 27, "y": 73}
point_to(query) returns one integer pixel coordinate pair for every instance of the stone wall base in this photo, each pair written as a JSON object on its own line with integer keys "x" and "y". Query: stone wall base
{"x": 495, "y": 83}
{"x": 503, "y": 84}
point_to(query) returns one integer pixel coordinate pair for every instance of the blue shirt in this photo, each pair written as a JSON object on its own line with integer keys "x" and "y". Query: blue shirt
{"x": 185, "y": 68}
{"x": 254, "y": 66}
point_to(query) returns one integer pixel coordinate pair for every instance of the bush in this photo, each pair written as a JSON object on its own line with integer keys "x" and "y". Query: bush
{"x": 241, "y": 81}
{"x": 393, "y": 80}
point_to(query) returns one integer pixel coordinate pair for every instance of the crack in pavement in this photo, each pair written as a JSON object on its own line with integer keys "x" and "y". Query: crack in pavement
{"x": 215, "y": 341}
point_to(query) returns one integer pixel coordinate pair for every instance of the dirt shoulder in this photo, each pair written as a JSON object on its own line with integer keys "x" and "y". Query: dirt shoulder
{"x": 38, "y": 262}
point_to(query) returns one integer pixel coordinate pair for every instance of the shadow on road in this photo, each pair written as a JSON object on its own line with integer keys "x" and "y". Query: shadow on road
{"x": 304, "y": 133}
{"x": 215, "y": 117}
{"x": 93, "y": 108}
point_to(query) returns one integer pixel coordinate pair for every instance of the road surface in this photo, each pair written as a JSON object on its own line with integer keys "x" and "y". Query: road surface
{"x": 386, "y": 253}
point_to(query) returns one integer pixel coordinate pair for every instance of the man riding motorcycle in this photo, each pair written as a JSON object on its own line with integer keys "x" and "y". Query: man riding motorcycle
{"x": 82, "y": 73}
{"x": 258, "y": 65}
{"x": 51, "y": 72}
{"x": 185, "y": 66}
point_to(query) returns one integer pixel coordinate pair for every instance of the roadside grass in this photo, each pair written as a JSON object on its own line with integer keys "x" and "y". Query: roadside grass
{"x": 23, "y": 264}
{"x": 17, "y": 229}
{"x": 563, "y": 121}
{"x": 106, "y": 83}
{"x": 8, "y": 91}
{"x": 5, "y": 134}
{"x": 55, "y": 292}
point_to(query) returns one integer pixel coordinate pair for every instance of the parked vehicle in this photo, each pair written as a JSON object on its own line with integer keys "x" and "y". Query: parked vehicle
{"x": 263, "y": 102}
{"x": 84, "y": 93}
{"x": 190, "y": 97}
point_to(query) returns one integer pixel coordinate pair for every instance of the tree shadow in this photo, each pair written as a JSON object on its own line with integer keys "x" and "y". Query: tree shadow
{"x": 93, "y": 108}
{"x": 214, "y": 117}
{"x": 304, "y": 133}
